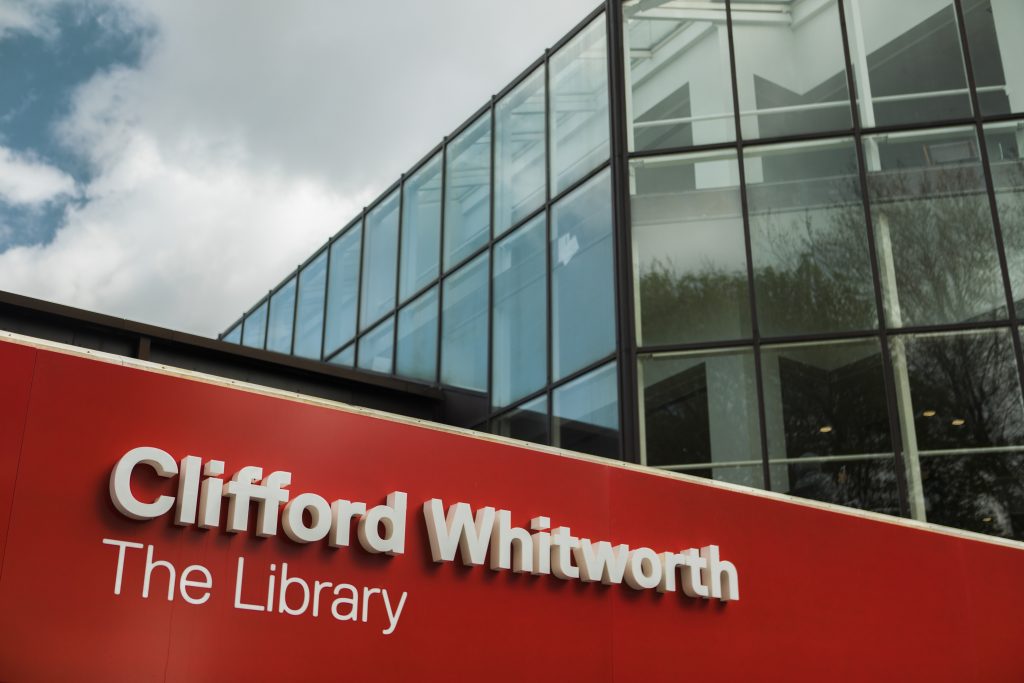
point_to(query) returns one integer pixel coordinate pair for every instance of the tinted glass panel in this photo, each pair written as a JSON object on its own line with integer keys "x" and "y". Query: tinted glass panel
{"x": 1005, "y": 143}
{"x": 342, "y": 290}
{"x": 997, "y": 53}
{"x": 983, "y": 493}
{"x": 700, "y": 415}
{"x": 583, "y": 277}
{"x": 908, "y": 61}
{"x": 812, "y": 269}
{"x": 464, "y": 331}
{"x": 586, "y": 413}
{"x": 345, "y": 357}
{"x": 933, "y": 228}
{"x": 578, "y": 75}
{"x": 520, "y": 364}
{"x": 254, "y": 331}
{"x": 791, "y": 72}
{"x": 417, "y": 339}
{"x": 677, "y": 68}
{"x": 688, "y": 249}
{"x": 309, "y": 318}
{"x": 824, "y": 404}
{"x": 421, "y": 228}
{"x": 467, "y": 192}
{"x": 528, "y": 422}
{"x": 519, "y": 177}
{"x": 234, "y": 335}
{"x": 380, "y": 256}
{"x": 376, "y": 347}
{"x": 959, "y": 395}
{"x": 282, "y": 316}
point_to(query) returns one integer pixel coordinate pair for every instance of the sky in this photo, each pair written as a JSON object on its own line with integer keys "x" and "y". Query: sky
{"x": 169, "y": 161}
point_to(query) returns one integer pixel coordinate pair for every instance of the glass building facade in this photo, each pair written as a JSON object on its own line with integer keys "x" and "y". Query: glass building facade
{"x": 774, "y": 243}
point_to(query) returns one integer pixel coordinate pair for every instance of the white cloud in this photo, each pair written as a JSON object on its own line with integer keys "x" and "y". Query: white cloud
{"x": 251, "y": 132}
{"x": 22, "y": 18}
{"x": 168, "y": 243}
{"x": 26, "y": 180}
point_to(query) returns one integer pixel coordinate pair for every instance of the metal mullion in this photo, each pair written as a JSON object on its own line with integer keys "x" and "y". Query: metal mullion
{"x": 492, "y": 233}
{"x": 589, "y": 367}
{"x": 577, "y": 184}
{"x": 548, "y": 340}
{"x": 630, "y": 447}
{"x": 295, "y": 311}
{"x": 440, "y": 260}
{"x": 809, "y": 137}
{"x": 748, "y": 247}
{"x": 888, "y": 373}
{"x": 266, "y": 320}
{"x": 1011, "y": 310}
{"x": 1002, "y": 118}
{"x": 463, "y": 261}
{"x": 518, "y": 403}
{"x": 327, "y": 289}
{"x": 521, "y": 222}
{"x": 398, "y": 273}
{"x": 359, "y": 288}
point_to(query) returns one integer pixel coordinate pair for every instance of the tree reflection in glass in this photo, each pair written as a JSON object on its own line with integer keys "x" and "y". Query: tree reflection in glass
{"x": 933, "y": 227}
{"x": 809, "y": 246}
{"x": 828, "y": 424}
{"x": 963, "y": 422}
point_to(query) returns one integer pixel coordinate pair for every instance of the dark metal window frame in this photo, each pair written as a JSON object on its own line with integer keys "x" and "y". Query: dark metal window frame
{"x": 632, "y": 353}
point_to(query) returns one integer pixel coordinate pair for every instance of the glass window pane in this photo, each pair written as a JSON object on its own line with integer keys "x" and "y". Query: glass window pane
{"x": 812, "y": 269}
{"x": 983, "y": 493}
{"x": 578, "y": 75}
{"x": 467, "y": 192}
{"x": 309, "y": 318}
{"x": 254, "y": 331}
{"x": 417, "y": 338}
{"x": 586, "y": 413}
{"x": 528, "y": 422}
{"x": 689, "y": 255}
{"x": 346, "y": 357}
{"x": 825, "y": 404}
{"x": 959, "y": 395}
{"x": 376, "y": 347}
{"x": 700, "y": 415}
{"x": 380, "y": 255}
{"x": 933, "y": 228}
{"x": 464, "y": 327}
{"x": 791, "y": 72}
{"x": 582, "y": 277}
{"x": 963, "y": 390}
{"x": 520, "y": 364}
{"x": 234, "y": 335}
{"x": 907, "y": 61}
{"x": 421, "y": 228}
{"x": 282, "y": 317}
{"x": 342, "y": 290}
{"x": 677, "y": 68}
{"x": 519, "y": 177}
{"x": 1005, "y": 143}
{"x": 997, "y": 53}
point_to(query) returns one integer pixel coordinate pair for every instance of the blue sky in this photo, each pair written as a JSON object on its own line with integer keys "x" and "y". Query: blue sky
{"x": 41, "y": 70}
{"x": 170, "y": 160}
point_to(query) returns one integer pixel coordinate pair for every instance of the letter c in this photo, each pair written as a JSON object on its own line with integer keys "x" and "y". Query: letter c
{"x": 120, "y": 482}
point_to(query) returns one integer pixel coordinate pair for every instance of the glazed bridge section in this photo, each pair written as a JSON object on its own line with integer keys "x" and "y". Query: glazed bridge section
{"x": 826, "y": 595}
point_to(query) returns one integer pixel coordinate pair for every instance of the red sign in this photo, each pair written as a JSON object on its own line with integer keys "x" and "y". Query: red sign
{"x": 89, "y": 593}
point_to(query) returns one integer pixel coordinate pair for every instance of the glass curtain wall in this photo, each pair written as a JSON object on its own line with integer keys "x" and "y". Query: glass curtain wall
{"x": 829, "y": 308}
{"x": 489, "y": 268}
